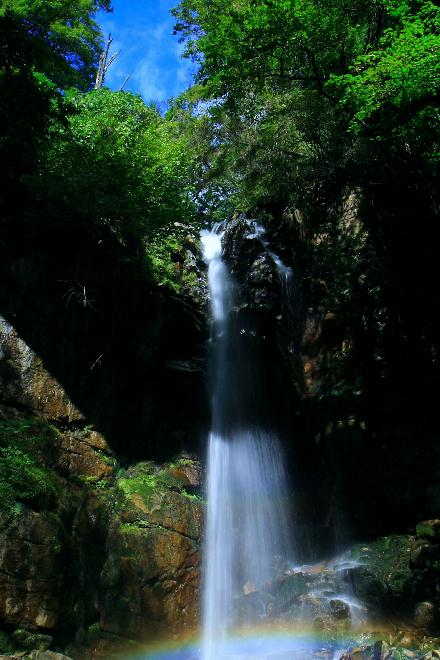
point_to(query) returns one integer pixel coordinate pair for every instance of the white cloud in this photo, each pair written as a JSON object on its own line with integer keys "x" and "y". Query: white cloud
{"x": 150, "y": 80}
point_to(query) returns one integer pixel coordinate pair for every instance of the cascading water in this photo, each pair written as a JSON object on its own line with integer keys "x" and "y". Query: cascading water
{"x": 247, "y": 527}
{"x": 257, "y": 604}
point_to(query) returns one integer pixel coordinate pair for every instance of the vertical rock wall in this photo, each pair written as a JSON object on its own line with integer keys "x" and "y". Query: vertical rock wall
{"x": 93, "y": 554}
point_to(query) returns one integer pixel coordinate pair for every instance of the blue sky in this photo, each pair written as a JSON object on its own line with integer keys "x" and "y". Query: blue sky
{"x": 142, "y": 31}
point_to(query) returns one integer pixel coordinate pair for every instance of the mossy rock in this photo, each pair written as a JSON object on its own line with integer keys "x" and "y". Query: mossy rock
{"x": 385, "y": 575}
{"x": 31, "y": 641}
{"x": 6, "y": 643}
{"x": 151, "y": 495}
{"x": 288, "y": 590}
{"x": 24, "y": 478}
{"x": 143, "y": 485}
{"x": 428, "y": 529}
{"x": 169, "y": 476}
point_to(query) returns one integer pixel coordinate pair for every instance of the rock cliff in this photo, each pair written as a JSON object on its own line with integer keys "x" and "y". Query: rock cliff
{"x": 96, "y": 554}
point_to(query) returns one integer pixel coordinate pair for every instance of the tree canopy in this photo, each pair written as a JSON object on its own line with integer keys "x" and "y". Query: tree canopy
{"x": 117, "y": 164}
{"x": 65, "y": 39}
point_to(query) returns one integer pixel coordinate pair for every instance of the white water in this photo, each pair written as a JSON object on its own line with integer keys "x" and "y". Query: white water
{"x": 285, "y": 273}
{"x": 247, "y": 526}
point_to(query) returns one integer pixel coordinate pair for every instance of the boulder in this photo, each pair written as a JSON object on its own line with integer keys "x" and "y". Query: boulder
{"x": 288, "y": 589}
{"x": 339, "y": 610}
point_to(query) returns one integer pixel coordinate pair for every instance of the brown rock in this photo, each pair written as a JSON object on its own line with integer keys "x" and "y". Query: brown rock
{"x": 168, "y": 509}
{"x": 77, "y": 455}
{"x": 28, "y": 383}
{"x": 28, "y": 561}
{"x": 150, "y": 582}
{"x": 188, "y": 474}
{"x": 249, "y": 588}
{"x": 152, "y": 573}
{"x": 97, "y": 441}
{"x": 424, "y": 614}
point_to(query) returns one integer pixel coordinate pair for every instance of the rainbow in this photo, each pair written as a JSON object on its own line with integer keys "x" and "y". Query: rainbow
{"x": 264, "y": 644}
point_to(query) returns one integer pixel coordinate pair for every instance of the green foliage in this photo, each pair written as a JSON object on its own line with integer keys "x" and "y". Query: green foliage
{"x": 131, "y": 528}
{"x": 101, "y": 161}
{"x": 160, "y": 252}
{"x": 146, "y": 479}
{"x": 301, "y": 103}
{"x": 166, "y": 249}
{"x": 23, "y": 478}
{"x": 143, "y": 485}
{"x": 192, "y": 496}
{"x": 26, "y": 639}
{"x": 118, "y": 166}
{"x": 273, "y": 42}
{"x": 429, "y": 529}
{"x": 396, "y": 86}
{"x": 28, "y": 104}
{"x": 45, "y": 46}
{"x": 64, "y": 36}
{"x": 312, "y": 90}
{"x": 102, "y": 484}
{"x": 185, "y": 462}
{"x": 94, "y": 629}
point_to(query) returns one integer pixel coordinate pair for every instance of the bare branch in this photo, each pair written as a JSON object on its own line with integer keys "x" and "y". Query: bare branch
{"x": 104, "y": 63}
{"x": 125, "y": 82}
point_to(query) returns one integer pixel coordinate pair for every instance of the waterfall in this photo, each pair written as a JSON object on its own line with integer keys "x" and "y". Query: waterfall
{"x": 247, "y": 525}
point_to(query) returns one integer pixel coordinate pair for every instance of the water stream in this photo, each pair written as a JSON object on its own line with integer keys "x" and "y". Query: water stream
{"x": 247, "y": 526}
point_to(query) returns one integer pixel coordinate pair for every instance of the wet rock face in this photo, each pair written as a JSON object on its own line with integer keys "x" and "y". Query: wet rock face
{"x": 84, "y": 453}
{"x": 399, "y": 576}
{"x": 123, "y": 552}
{"x": 383, "y": 578}
{"x": 150, "y": 580}
{"x": 103, "y": 554}
{"x": 324, "y": 599}
{"x": 29, "y": 579}
{"x": 48, "y": 580}
{"x": 251, "y": 266}
{"x": 316, "y": 597}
